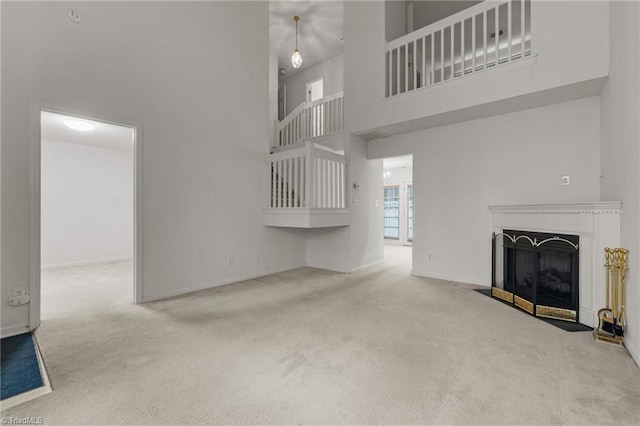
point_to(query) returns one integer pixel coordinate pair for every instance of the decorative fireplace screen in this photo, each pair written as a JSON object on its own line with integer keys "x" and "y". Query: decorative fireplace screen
{"x": 537, "y": 272}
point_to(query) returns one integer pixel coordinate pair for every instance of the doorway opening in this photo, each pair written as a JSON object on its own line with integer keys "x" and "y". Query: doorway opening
{"x": 86, "y": 193}
{"x": 398, "y": 209}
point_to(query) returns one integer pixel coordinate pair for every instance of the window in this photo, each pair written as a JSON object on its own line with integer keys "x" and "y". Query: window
{"x": 392, "y": 212}
{"x": 410, "y": 213}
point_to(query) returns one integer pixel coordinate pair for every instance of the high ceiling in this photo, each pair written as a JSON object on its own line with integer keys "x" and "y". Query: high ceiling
{"x": 319, "y": 31}
{"x": 104, "y": 135}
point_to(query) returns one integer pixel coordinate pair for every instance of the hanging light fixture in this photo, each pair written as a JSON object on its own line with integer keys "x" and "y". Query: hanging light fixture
{"x": 296, "y": 59}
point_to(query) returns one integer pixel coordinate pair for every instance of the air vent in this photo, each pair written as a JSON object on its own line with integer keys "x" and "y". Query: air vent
{"x": 373, "y": 134}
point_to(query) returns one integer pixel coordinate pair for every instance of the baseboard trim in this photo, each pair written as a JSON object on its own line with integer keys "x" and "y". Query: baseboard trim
{"x": 33, "y": 393}
{"x": 633, "y": 351}
{"x": 14, "y": 330}
{"x": 377, "y": 262}
{"x": 181, "y": 292}
{"x": 85, "y": 263}
{"x": 461, "y": 280}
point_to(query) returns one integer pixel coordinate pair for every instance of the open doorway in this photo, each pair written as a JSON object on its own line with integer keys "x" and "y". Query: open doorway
{"x": 87, "y": 199}
{"x": 398, "y": 209}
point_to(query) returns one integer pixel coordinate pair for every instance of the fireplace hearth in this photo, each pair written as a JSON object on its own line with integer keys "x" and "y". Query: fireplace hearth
{"x": 537, "y": 272}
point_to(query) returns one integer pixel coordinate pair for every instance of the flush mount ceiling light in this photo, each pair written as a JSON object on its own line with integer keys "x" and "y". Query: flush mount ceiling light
{"x": 296, "y": 59}
{"x": 79, "y": 125}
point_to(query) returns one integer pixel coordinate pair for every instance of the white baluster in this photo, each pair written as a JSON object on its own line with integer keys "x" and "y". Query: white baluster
{"x": 509, "y": 23}
{"x": 453, "y": 50}
{"x": 279, "y": 184}
{"x": 415, "y": 64}
{"x": 462, "y": 47}
{"x": 424, "y": 62}
{"x": 296, "y": 182}
{"x": 406, "y": 67}
{"x": 484, "y": 39}
{"x": 522, "y": 28}
{"x": 497, "y": 37}
{"x": 398, "y": 72}
{"x": 433, "y": 63}
{"x": 473, "y": 43}
{"x": 308, "y": 177}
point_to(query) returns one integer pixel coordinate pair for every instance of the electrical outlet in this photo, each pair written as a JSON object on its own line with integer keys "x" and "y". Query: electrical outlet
{"x": 230, "y": 261}
{"x": 19, "y": 291}
{"x": 19, "y": 300}
{"x": 257, "y": 258}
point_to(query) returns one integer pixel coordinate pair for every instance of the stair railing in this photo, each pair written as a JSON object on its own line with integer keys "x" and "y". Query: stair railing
{"x": 310, "y": 176}
{"x": 310, "y": 120}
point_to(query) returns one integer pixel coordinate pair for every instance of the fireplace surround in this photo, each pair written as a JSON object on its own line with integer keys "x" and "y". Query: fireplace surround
{"x": 596, "y": 224}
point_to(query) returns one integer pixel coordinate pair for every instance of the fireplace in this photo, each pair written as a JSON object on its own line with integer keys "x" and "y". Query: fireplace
{"x": 537, "y": 272}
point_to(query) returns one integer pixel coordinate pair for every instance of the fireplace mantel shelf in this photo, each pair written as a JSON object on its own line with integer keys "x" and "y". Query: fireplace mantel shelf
{"x": 595, "y": 207}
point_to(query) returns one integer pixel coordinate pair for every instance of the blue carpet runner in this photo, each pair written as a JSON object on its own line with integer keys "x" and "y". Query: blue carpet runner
{"x": 19, "y": 369}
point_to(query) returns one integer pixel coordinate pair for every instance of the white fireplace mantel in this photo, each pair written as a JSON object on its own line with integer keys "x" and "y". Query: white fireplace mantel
{"x": 596, "y": 223}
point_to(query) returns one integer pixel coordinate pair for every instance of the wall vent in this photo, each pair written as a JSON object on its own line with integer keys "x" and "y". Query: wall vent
{"x": 373, "y": 134}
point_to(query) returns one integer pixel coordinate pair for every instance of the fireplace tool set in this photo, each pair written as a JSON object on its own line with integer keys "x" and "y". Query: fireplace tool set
{"x": 611, "y": 319}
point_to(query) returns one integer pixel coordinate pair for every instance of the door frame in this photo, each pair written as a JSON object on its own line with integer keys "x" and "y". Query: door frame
{"x": 309, "y": 83}
{"x": 35, "y": 213}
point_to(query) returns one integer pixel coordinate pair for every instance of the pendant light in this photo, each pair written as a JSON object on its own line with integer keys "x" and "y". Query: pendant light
{"x": 296, "y": 59}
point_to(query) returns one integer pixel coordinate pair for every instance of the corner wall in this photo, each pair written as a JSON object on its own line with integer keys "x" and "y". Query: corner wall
{"x": 461, "y": 169}
{"x": 205, "y": 131}
{"x": 570, "y": 59}
{"x": 620, "y": 149}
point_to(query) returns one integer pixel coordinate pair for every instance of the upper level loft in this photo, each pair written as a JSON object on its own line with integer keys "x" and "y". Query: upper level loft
{"x": 475, "y": 39}
{"x": 490, "y": 58}
{"x": 308, "y": 168}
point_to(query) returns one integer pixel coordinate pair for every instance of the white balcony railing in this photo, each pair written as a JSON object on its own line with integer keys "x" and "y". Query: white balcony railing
{"x": 307, "y": 177}
{"x": 311, "y": 120}
{"x": 486, "y": 35}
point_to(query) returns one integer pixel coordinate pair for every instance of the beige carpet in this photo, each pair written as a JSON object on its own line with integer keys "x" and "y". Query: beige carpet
{"x": 311, "y": 346}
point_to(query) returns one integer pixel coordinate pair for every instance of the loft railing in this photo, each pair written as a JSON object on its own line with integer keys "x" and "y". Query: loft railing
{"x": 311, "y": 120}
{"x": 483, "y": 36}
{"x": 307, "y": 177}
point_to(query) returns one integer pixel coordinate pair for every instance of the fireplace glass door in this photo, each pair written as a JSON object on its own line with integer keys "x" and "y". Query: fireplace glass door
{"x": 537, "y": 272}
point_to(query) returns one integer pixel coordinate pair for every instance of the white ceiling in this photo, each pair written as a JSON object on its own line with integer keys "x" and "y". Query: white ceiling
{"x": 319, "y": 31}
{"x": 396, "y": 163}
{"x": 104, "y": 135}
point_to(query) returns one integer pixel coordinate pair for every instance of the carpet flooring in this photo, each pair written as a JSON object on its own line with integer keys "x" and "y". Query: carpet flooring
{"x": 19, "y": 369}
{"x": 317, "y": 347}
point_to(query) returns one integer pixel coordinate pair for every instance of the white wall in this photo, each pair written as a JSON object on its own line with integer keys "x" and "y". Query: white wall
{"x": 273, "y": 94}
{"x": 87, "y": 204}
{"x": 461, "y": 169}
{"x": 395, "y": 23}
{"x": 205, "y": 125}
{"x": 564, "y": 55}
{"x": 331, "y": 71}
{"x": 402, "y": 178}
{"x": 426, "y": 12}
{"x": 620, "y": 149}
{"x": 367, "y": 217}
